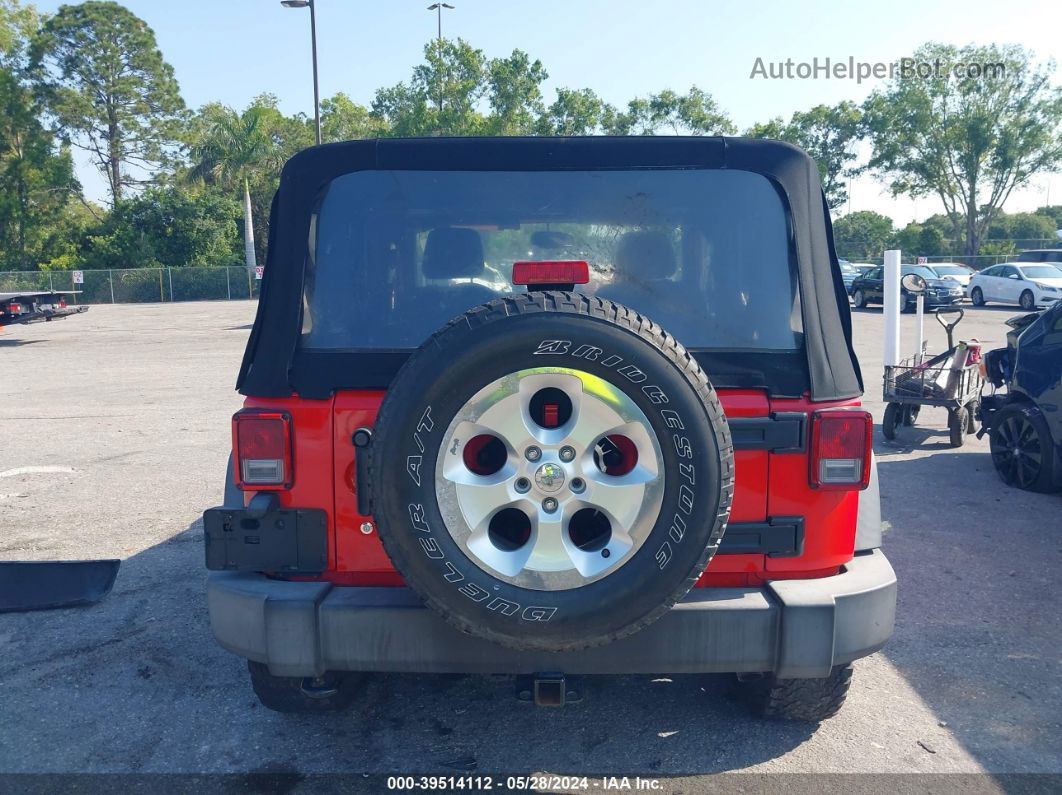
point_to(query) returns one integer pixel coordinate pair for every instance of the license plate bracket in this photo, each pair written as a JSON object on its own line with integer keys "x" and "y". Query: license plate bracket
{"x": 290, "y": 541}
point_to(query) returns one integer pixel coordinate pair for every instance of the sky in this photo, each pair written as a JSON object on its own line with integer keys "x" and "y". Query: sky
{"x": 233, "y": 50}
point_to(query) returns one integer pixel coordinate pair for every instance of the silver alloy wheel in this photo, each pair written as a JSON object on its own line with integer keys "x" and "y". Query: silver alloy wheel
{"x": 555, "y": 552}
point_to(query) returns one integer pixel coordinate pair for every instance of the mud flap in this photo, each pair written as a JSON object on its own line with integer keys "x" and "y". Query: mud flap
{"x": 41, "y": 585}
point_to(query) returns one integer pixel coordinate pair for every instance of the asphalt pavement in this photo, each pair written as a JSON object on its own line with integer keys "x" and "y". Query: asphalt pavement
{"x": 115, "y": 431}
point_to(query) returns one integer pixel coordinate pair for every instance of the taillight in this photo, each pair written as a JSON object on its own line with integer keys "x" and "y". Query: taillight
{"x": 62, "y": 303}
{"x": 261, "y": 442}
{"x": 14, "y": 309}
{"x": 841, "y": 444}
{"x": 552, "y": 272}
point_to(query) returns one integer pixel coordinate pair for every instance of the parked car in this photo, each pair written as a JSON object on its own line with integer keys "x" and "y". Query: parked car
{"x": 955, "y": 271}
{"x": 1026, "y": 285}
{"x": 870, "y": 288}
{"x": 538, "y": 484}
{"x": 1041, "y": 255}
{"x": 848, "y": 274}
{"x": 1024, "y": 423}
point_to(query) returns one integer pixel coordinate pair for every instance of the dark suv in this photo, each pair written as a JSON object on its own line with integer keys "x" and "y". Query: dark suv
{"x": 547, "y": 407}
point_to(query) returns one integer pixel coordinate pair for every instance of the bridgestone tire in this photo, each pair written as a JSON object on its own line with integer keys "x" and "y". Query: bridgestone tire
{"x": 553, "y": 330}
{"x": 808, "y": 700}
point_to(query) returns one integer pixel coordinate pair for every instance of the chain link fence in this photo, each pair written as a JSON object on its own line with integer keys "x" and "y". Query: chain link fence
{"x": 978, "y": 262}
{"x": 139, "y": 285}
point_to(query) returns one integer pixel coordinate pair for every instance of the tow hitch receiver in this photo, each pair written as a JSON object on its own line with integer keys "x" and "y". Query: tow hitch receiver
{"x": 546, "y": 690}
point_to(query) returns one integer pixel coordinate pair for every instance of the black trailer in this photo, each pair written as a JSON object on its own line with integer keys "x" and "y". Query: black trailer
{"x": 36, "y": 307}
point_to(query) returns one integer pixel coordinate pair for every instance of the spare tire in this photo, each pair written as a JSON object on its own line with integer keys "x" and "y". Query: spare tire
{"x": 551, "y": 471}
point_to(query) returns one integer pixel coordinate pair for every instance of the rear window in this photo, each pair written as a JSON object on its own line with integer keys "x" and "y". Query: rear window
{"x": 394, "y": 255}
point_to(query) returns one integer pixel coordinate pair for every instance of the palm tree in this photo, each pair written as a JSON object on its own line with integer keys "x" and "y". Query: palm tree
{"x": 230, "y": 150}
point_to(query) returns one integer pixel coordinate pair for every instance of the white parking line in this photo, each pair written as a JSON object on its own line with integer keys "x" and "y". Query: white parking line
{"x": 10, "y": 473}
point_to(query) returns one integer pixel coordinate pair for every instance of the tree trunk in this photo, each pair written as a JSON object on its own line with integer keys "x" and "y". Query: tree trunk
{"x": 973, "y": 242}
{"x": 114, "y": 157}
{"x": 248, "y": 228}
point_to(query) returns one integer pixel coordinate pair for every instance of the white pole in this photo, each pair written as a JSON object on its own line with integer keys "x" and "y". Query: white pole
{"x": 892, "y": 307}
{"x": 921, "y": 304}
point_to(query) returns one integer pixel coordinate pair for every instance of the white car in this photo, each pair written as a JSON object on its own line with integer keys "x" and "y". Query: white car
{"x": 955, "y": 271}
{"x": 1026, "y": 284}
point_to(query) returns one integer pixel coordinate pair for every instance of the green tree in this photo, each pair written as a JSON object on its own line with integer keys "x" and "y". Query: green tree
{"x": 1054, "y": 212}
{"x": 692, "y": 113}
{"x": 574, "y": 112}
{"x": 970, "y": 141}
{"x": 106, "y": 83}
{"x": 241, "y": 152}
{"x": 36, "y": 178}
{"x": 442, "y": 97}
{"x": 171, "y": 227}
{"x": 931, "y": 242}
{"x": 907, "y": 239}
{"x": 342, "y": 119}
{"x": 862, "y": 235}
{"x": 514, "y": 94}
{"x": 830, "y": 135}
{"x": 18, "y": 23}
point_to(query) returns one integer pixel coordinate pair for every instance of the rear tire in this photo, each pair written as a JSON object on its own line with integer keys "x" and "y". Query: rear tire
{"x": 332, "y": 692}
{"x": 892, "y": 418}
{"x": 808, "y": 700}
{"x": 977, "y": 298}
{"x": 910, "y": 415}
{"x": 958, "y": 422}
{"x": 859, "y": 300}
{"x": 1021, "y": 428}
{"x": 1027, "y": 301}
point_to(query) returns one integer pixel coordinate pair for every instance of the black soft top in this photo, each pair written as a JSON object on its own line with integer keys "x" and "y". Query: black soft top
{"x": 827, "y": 368}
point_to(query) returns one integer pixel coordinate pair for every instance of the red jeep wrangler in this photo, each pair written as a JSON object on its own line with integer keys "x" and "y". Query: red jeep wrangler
{"x": 546, "y": 407}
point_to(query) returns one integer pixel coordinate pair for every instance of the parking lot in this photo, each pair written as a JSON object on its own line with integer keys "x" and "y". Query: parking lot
{"x": 115, "y": 435}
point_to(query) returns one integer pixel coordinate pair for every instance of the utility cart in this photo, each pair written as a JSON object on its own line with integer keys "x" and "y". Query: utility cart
{"x": 950, "y": 380}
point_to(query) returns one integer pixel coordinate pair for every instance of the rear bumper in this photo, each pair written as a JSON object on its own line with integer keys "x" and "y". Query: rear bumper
{"x": 795, "y": 628}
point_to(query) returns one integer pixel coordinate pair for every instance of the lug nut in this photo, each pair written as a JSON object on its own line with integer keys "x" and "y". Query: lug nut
{"x": 523, "y": 485}
{"x": 549, "y": 505}
{"x": 578, "y": 485}
{"x": 532, "y": 453}
{"x": 567, "y": 453}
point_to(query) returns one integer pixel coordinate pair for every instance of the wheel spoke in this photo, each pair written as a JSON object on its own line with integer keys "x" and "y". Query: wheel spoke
{"x": 479, "y": 501}
{"x": 620, "y": 498}
{"x": 593, "y": 419}
{"x": 592, "y": 563}
{"x": 507, "y": 562}
{"x": 508, "y": 420}
{"x": 548, "y": 548}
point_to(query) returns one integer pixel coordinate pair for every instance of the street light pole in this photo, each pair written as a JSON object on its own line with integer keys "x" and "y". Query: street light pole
{"x": 313, "y": 44}
{"x": 438, "y": 9}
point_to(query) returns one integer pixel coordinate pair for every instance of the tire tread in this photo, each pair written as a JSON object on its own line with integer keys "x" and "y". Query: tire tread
{"x": 811, "y": 700}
